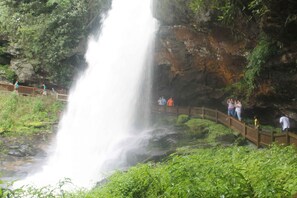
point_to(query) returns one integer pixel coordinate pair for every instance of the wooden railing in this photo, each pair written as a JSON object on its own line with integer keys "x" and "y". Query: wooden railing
{"x": 32, "y": 91}
{"x": 259, "y": 138}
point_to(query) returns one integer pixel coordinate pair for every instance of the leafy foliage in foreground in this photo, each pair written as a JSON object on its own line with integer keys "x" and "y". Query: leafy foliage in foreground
{"x": 217, "y": 172}
{"x": 206, "y": 173}
{"x": 24, "y": 114}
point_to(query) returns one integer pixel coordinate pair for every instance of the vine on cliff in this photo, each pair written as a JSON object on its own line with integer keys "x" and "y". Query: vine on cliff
{"x": 258, "y": 57}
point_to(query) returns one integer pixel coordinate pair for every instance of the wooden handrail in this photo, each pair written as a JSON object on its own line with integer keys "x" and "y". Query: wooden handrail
{"x": 32, "y": 91}
{"x": 259, "y": 138}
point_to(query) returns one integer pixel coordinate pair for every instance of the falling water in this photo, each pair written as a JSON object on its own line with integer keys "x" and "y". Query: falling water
{"x": 100, "y": 115}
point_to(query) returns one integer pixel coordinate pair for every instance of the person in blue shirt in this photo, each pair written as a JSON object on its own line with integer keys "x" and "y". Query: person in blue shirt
{"x": 164, "y": 102}
{"x": 16, "y": 85}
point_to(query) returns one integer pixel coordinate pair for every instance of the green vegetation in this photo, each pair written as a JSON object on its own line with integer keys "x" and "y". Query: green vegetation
{"x": 264, "y": 50}
{"x": 46, "y": 33}
{"x": 228, "y": 11}
{"x": 202, "y": 130}
{"x": 7, "y": 73}
{"x": 25, "y": 115}
{"x": 208, "y": 128}
{"x": 181, "y": 119}
{"x": 260, "y": 13}
{"x": 212, "y": 172}
{"x": 216, "y": 172}
{"x": 256, "y": 60}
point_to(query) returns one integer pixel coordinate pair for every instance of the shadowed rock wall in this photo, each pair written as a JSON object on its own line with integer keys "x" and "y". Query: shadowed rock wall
{"x": 196, "y": 59}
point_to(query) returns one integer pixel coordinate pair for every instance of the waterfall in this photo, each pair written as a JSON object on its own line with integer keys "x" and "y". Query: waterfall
{"x": 98, "y": 123}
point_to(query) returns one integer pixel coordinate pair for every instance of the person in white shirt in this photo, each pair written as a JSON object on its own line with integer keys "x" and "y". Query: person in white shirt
{"x": 160, "y": 101}
{"x": 285, "y": 122}
{"x": 238, "y": 107}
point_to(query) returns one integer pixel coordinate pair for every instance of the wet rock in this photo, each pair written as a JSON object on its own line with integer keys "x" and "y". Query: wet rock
{"x": 16, "y": 153}
{"x": 22, "y": 151}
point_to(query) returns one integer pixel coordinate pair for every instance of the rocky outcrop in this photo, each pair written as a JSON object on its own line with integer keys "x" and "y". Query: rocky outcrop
{"x": 23, "y": 69}
{"x": 196, "y": 59}
{"x": 194, "y": 66}
{"x": 194, "y": 62}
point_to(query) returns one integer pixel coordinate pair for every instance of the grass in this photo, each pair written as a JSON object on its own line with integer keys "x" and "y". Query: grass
{"x": 21, "y": 115}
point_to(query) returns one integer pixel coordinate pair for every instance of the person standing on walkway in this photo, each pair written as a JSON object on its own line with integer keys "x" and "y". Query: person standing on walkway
{"x": 170, "y": 102}
{"x": 163, "y": 101}
{"x": 160, "y": 101}
{"x": 44, "y": 90}
{"x": 256, "y": 123}
{"x": 285, "y": 123}
{"x": 231, "y": 107}
{"x": 16, "y": 86}
{"x": 238, "y": 107}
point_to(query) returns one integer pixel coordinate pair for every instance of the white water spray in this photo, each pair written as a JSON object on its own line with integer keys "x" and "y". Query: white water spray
{"x": 101, "y": 106}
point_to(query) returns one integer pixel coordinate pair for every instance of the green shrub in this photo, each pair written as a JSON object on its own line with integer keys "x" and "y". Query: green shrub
{"x": 7, "y": 73}
{"x": 206, "y": 173}
{"x": 181, "y": 119}
{"x": 203, "y": 127}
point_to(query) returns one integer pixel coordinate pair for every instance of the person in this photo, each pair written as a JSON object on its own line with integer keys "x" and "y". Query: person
{"x": 170, "y": 102}
{"x": 256, "y": 123}
{"x": 16, "y": 86}
{"x": 44, "y": 90}
{"x": 163, "y": 101}
{"x": 285, "y": 123}
{"x": 160, "y": 101}
{"x": 230, "y": 103}
{"x": 238, "y": 107}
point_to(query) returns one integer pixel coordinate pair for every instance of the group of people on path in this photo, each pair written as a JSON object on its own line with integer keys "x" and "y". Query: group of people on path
{"x": 16, "y": 88}
{"x": 234, "y": 108}
{"x": 283, "y": 120}
{"x": 163, "y": 102}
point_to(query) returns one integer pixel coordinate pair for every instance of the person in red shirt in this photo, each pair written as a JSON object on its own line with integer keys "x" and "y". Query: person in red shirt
{"x": 170, "y": 102}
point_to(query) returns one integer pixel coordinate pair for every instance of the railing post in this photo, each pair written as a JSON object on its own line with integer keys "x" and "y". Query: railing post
{"x": 258, "y": 138}
{"x": 272, "y": 136}
{"x": 287, "y": 138}
{"x": 177, "y": 110}
{"x": 203, "y": 112}
{"x": 245, "y": 130}
{"x": 190, "y": 109}
{"x": 217, "y": 116}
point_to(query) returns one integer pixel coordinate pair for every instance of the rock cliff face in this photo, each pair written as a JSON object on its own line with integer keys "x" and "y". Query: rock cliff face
{"x": 196, "y": 59}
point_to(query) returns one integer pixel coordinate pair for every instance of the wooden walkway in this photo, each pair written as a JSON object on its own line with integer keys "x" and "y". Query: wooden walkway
{"x": 259, "y": 138}
{"x": 33, "y": 91}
